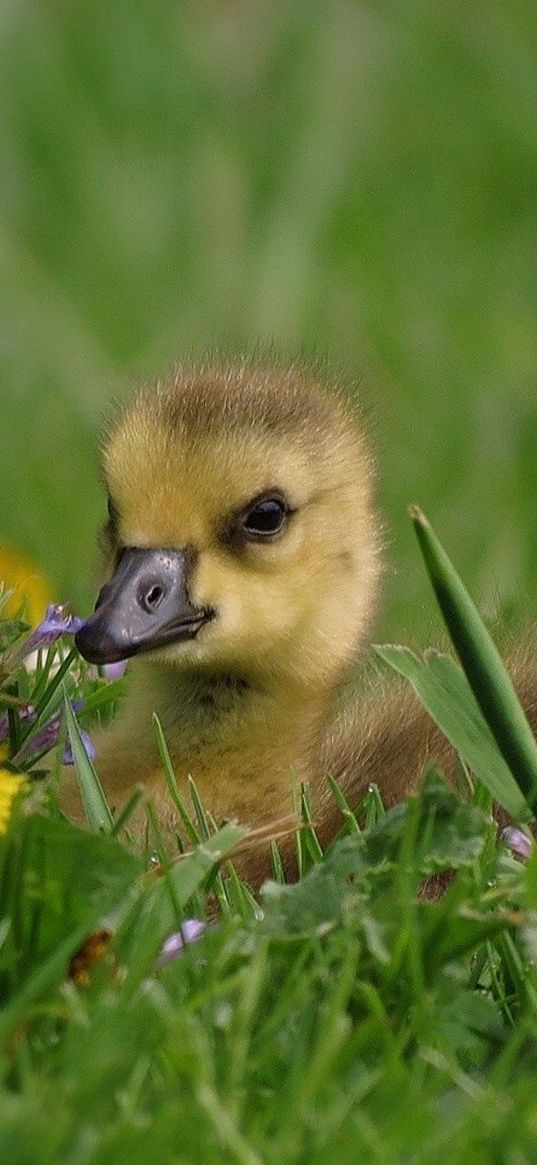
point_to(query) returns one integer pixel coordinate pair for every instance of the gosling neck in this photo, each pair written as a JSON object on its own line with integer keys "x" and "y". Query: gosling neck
{"x": 241, "y": 741}
{"x": 225, "y": 704}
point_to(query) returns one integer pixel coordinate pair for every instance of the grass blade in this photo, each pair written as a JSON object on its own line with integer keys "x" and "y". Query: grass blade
{"x": 482, "y": 663}
{"x": 44, "y": 704}
{"x": 95, "y": 803}
{"x": 278, "y": 872}
{"x": 199, "y": 808}
{"x": 158, "y": 911}
{"x": 343, "y": 804}
{"x": 192, "y": 833}
{"x": 122, "y": 820}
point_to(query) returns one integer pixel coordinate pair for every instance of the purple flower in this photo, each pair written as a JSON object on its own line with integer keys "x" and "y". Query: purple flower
{"x": 191, "y": 930}
{"x": 26, "y": 716}
{"x": 45, "y": 739}
{"x": 114, "y": 671}
{"x": 111, "y": 671}
{"x": 48, "y": 735}
{"x": 518, "y": 842}
{"x": 67, "y": 758}
{"x": 58, "y": 621}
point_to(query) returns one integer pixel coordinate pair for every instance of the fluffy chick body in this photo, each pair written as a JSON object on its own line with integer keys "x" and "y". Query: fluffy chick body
{"x": 248, "y": 702}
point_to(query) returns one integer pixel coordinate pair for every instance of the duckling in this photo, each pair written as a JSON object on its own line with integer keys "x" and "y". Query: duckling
{"x": 243, "y": 555}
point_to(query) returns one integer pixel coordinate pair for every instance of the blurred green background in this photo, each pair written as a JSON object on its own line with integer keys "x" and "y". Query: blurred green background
{"x": 356, "y": 181}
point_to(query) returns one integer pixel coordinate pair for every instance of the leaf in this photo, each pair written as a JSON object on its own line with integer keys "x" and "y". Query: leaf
{"x": 451, "y": 934}
{"x": 47, "y": 702}
{"x": 10, "y": 631}
{"x": 95, "y": 804}
{"x": 450, "y": 834}
{"x": 54, "y": 879}
{"x": 447, "y": 834}
{"x": 445, "y": 693}
{"x": 470, "y": 1025}
{"x": 192, "y": 833}
{"x": 482, "y": 663}
{"x": 159, "y": 909}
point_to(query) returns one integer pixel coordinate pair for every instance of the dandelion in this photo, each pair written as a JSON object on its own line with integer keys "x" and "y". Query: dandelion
{"x": 191, "y": 930}
{"x": 27, "y": 582}
{"x": 10, "y": 785}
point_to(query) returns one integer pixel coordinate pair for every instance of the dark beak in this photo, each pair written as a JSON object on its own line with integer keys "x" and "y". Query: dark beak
{"x": 144, "y": 605}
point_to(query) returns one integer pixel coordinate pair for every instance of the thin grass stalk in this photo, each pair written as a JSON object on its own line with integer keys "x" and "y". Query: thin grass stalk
{"x": 193, "y": 834}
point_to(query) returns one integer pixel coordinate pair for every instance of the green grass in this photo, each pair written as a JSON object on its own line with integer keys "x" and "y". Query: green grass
{"x": 357, "y": 181}
{"x": 342, "y": 1018}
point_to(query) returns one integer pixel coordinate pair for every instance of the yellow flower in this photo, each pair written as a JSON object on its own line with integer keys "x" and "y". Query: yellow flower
{"x": 25, "y": 579}
{"x": 10, "y": 785}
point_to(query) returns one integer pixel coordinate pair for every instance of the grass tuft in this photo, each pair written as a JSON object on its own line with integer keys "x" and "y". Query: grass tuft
{"x": 152, "y": 1005}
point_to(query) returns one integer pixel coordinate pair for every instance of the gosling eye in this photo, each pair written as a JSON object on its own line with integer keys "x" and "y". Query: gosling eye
{"x": 264, "y": 518}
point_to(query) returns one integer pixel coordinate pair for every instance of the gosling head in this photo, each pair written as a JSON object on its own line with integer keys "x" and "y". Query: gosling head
{"x": 241, "y": 532}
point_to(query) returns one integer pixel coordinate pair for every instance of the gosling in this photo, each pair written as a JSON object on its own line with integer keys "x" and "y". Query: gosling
{"x": 243, "y": 556}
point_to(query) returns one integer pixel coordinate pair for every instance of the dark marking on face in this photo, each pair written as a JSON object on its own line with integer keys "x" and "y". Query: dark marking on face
{"x": 346, "y": 559}
{"x": 109, "y": 535}
{"x": 262, "y": 519}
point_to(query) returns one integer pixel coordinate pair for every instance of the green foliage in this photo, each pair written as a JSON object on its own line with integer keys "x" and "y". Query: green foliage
{"x": 57, "y": 885}
{"x": 351, "y": 180}
{"x": 39, "y": 680}
{"x": 350, "y": 1015}
{"x": 353, "y": 1017}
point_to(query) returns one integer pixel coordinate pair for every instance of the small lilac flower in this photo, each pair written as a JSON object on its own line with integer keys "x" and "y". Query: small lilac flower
{"x": 191, "y": 930}
{"x": 43, "y": 741}
{"x": 58, "y": 621}
{"x": 68, "y": 759}
{"x": 111, "y": 671}
{"x": 114, "y": 671}
{"x": 518, "y": 842}
{"x": 47, "y": 737}
{"x": 26, "y": 716}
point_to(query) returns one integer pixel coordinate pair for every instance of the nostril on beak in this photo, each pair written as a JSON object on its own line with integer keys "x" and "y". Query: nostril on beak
{"x": 152, "y": 598}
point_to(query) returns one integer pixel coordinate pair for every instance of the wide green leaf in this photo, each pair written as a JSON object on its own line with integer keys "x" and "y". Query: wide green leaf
{"x": 445, "y": 693}
{"x": 54, "y": 880}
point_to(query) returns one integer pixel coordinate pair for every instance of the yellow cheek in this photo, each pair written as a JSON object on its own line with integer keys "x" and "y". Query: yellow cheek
{"x": 254, "y": 607}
